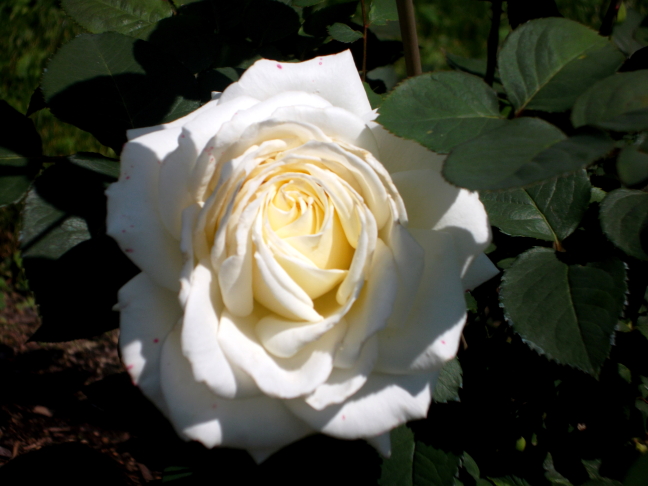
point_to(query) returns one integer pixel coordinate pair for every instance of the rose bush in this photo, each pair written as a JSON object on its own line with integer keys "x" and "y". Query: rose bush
{"x": 303, "y": 270}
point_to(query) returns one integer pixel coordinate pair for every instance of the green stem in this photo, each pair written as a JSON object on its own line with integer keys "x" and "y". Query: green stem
{"x": 407, "y": 23}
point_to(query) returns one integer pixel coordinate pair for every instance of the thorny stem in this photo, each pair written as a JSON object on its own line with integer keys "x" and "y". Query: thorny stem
{"x": 608, "y": 18}
{"x": 407, "y": 23}
{"x": 493, "y": 42}
{"x": 364, "y": 40}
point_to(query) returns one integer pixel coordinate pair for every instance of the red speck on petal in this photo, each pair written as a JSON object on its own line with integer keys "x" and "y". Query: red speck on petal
{"x": 156, "y": 340}
{"x": 214, "y": 406}
{"x": 128, "y": 250}
{"x": 442, "y": 342}
{"x": 127, "y": 177}
{"x": 343, "y": 417}
{"x": 129, "y": 367}
{"x": 182, "y": 136}
{"x": 279, "y": 66}
{"x": 132, "y": 225}
{"x": 123, "y": 231}
{"x": 320, "y": 63}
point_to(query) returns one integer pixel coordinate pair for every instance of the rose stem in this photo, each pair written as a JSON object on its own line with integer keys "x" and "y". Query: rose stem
{"x": 364, "y": 40}
{"x": 407, "y": 23}
{"x": 493, "y": 42}
{"x": 608, "y": 18}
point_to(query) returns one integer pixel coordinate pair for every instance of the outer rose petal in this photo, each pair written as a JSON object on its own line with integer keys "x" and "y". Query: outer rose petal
{"x": 384, "y": 402}
{"x": 133, "y": 218}
{"x": 198, "y": 414}
{"x": 320, "y": 76}
{"x": 148, "y": 313}
{"x": 430, "y": 334}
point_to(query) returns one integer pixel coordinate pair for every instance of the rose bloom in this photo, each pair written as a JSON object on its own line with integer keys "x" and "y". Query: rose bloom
{"x": 303, "y": 270}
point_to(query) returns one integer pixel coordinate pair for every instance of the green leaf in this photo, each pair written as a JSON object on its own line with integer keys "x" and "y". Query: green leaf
{"x": 382, "y": 11}
{"x": 547, "y": 63}
{"x": 73, "y": 267}
{"x": 434, "y": 466}
{"x": 638, "y": 472}
{"x": 619, "y": 102}
{"x": 123, "y": 16}
{"x": 448, "y": 383}
{"x": 375, "y": 100}
{"x": 397, "y": 469}
{"x": 20, "y": 154}
{"x": 470, "y": 466}
{"x": 316, "y": 23}
{"x": 624, "y": 219}
{"x": 343, "y": 33}
{"x": 176, "y": 474}
{"x": 306, "y": 3}
{"x": 549, "y": 211}
{"x": 554, "y": 477}
{"x": 567, "y": 312}
{"x": 139, "y": 86}
{"x": 632, "y": 164}
{"x": 509, "y": 481}
{"x": 441, "y": 110}
{"x": 623, "y": 32}
{"x": 416, "y": 464}
{"x": 519, "y": 153}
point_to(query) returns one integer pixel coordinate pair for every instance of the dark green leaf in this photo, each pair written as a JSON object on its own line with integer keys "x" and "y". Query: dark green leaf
{"x": 441, "y": 110}
{"x": 448, "y": 383}
{"x": 269, "y": 21}
{"x": 619, "y": 102}
{"x": 317, "y": 23}
{"x": 549, "y": 211}
{"x": 519, "y": 153}
{"x": 189, "y": 39}
{"x": 567, "y": 312}
{"x": 434, "y": 466}
{"x": 375, "y": 100}
{"x": 123, "y": 16}
{"x": 397, "y": 469}
{"x": 73, "y": 267}
{"x": 547, "y": 63}
{"x": 632, "y": 164}
{"x": 306, "y": 3}
{"x": 510, "y": 481}
{"x": 344, "y": 33}
{"x": 176, "y": 474}
{"x": 554, "y": 477}
{"x": 638, "y": 472}
{"x": 624, "y": 219}
{"x": 382, "y": 11}
{"x": 623, "y": 32}
{"x": 470, "y": 466}
{"x": 138, "y": 86}
{"x": 20, "y": 151}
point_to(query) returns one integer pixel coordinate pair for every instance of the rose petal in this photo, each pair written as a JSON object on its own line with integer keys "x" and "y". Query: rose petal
{"x": 430, "y": 334}
{"x": 278, "y": 377}
{"x": 433, "y": 203}
{"x": 198, "y": 414}
{"x": 148, "y": 313}
{"x": 373, "y": 308}
{"x": 343, "y": 383}
{"x": 384, "y": 402}
{"x": 398, "y": 154}
{"x": 133, "y": 218}
{"x": 480, "y": 270}
{"x": 321, "y": 76}
{"x": 177, "y": 167}
{"x": 200, "y": 340}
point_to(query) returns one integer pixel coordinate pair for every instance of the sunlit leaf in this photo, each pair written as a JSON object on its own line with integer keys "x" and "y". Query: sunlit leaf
{"x": 624, "y": 219}
{"x": 441, "y": 110}
{"x": 547, "y": 63}
{"x": 344, "y": 33}
{"x": 521, "y": 152}
{"x": 549, "y": 211}
{"x": 619, "y": 102}
{"x": 448, "y": 383}
{"x": 567, "y": 312}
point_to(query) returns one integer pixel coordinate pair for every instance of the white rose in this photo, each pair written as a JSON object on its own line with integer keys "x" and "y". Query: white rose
{"x": 303, "y": 270}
